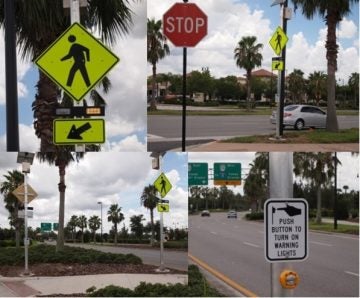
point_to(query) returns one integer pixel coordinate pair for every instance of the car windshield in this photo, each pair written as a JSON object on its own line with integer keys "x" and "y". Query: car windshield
{"x": 290, "y": 108}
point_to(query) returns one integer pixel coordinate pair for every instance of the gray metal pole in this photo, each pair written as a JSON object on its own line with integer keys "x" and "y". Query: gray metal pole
{"x": 75, "y": 18}
{"x": 26, "y": 240}
{"x": 12, "y": 114}
{"x": 281, "y": 186}
{"x": 162, "y": 266}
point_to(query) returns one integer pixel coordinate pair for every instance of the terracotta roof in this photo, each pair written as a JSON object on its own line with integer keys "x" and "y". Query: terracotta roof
{"x": 262, "y": 73}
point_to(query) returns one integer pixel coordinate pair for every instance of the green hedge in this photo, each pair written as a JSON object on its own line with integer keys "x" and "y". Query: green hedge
{"x": 47, "y": 254}
{"x": 12, "y": 243}
{"x": 197, "y": 287}
{"x": 255, "y": 216}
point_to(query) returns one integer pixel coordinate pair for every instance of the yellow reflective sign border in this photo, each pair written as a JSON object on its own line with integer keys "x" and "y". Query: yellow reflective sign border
{"x": 278, "y": 40}
{"x": 163, "y": 185}
{"x": 94, "y": 61}
{"x": 78, "y": 131}
{"x": 163, "y": 207}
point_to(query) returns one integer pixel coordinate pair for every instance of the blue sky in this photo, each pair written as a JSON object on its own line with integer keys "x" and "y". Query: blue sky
{"x": 123, "y": 178}
{"x": 230, "y": 20}
{"x": 125, "y": 127}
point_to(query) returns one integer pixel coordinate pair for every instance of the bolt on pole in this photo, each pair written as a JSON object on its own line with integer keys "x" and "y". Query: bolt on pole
{"x": 12, "y": 116}
{"x": 281, "y": 186}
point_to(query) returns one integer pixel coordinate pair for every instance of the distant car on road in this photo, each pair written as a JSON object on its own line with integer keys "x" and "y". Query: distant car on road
{"x": 300, "y": 116}
{"x": 232, "y": 214}
{"x": 205, "y": 213}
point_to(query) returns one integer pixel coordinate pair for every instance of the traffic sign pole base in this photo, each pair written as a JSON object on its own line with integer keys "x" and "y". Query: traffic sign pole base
{"x": 277, "y": 139}
{"x": 26, "y": 274}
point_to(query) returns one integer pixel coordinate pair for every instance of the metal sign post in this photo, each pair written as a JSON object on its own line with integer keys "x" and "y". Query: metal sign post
{"x": 183, "y": 141}
{"x": 162, "y": 266}
{"x": 281, "y": 186}
{"x": 26, "y": 240}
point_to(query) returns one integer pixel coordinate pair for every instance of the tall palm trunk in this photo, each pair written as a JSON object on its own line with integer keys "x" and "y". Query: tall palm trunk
{"x": 153, "y": 102}
{"x": 331, "y": 56}
{"x": 62, "y": 187}
{"x": 43, "y": 106}
{"x": 318, "y": 205}
{"x": 94, "y": 236}
{"x": 115, "y": 237}
{"x": 152, "y": 227}
{"x": 248, "y": 89}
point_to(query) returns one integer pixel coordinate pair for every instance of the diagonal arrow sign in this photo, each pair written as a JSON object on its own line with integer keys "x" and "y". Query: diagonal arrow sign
{"x": 75, "y": 133}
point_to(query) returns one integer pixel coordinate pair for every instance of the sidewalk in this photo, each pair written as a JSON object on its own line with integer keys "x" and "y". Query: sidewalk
{"x": 218, "y": 146}
{"x": 31, "y": 286}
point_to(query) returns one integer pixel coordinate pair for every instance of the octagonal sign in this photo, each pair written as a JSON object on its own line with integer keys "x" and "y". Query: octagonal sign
{"x": 185, "y": 24}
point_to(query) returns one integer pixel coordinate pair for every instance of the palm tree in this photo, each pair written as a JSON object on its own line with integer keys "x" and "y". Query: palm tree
{"x": 318, "y": 168}
{"x": 205, "y": 193}
{"x": 115, "y": 216}
{"x": 72, "y": 224}
{"x": 82, "y": 224}
{"x": 247, "y": 55}
{"x": 354, "y": 87}
{"x": 317, "y": 85}
{"x": 13, "y": 180}
{"x": 149, "y": 200}
{"x": 39, "y": 23}
{"x": 296, "y": 85}
{"x": 157, "y": 49}
{"x": 332, "y": 12}
{"x": 195, "y": 193}
{"x": 94, "y": 224}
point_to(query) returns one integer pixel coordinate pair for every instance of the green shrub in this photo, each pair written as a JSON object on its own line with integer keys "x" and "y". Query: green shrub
{"x": 342, "y": 209}
{"x": 255, "y": 216}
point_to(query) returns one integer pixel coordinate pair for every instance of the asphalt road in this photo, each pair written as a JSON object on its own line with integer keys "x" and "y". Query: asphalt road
{"x": 235, "y": 248}
{"x": 166, "y": 132}
{"x": 172, "y": 259}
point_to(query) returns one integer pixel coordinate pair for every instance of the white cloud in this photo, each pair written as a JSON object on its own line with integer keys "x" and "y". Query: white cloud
{"x": 28, "y": 142}
{"x": 130, "y": 143}
{"x": 347, "y": 29}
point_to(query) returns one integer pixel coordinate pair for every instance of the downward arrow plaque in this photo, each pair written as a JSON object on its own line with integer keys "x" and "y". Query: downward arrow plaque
{"x": 78, "y": 131}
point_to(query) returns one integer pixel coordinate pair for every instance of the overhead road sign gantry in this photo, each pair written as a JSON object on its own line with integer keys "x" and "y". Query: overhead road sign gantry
{"x": 76, "y": 61}
{"x": 286, "y": 230}
{"x": 227, "y": 173}
{"x": 278, "y": 40}
{"x": 78, "y": 131}
{"x": 198, "y": 173}
{"x": 163, "y": 185}
{"x": 185, "y": 24}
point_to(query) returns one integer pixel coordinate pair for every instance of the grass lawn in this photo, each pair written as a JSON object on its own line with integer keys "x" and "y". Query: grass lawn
{"x": 43, "y": 253}
{"x": 318, "y": 136}
{"x": 329, "y": 227}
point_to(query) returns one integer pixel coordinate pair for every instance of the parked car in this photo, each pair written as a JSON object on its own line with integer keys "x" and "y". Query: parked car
{"x": 205, "y": 213}
{"x": 300, "y": 116}
{"x": 232, "y": 214}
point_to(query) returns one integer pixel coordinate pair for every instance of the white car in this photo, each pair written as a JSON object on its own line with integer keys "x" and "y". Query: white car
{"x": 300, "y": 116}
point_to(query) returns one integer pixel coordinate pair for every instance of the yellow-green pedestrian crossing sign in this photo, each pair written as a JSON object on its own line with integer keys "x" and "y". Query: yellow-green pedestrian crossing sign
{"x": 278, "y": 40}
{"x": 163, "y": 207}
{"x": 277, "y": 64}
{"x": 163, "y": 185}
{"x": 78, "y": 131}
{"x": 76, "y": 61}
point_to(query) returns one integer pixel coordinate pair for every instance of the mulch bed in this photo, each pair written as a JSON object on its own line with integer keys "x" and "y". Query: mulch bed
{"x": 58, "y": 269}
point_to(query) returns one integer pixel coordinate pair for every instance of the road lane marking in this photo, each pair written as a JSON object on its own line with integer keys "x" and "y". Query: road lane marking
{"x": 223, "y": 277}
{"x": 321, "y": 243}
{"x": 214, "y": 233}
{"x": 251, "y": 244}
{"x": 352, "y": 273}
{"x": 333, "y": 235}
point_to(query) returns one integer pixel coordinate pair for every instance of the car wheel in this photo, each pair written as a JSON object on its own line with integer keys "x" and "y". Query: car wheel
{"x": 299, "y": 124}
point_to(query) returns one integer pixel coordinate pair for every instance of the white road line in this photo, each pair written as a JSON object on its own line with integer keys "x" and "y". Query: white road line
{"x": 251, "y": 244}
{"x": 337, "y": 236}
{"x": 214, "y": 233}
{"x": 321, "y": 243}
{"x": 351, "y": 273}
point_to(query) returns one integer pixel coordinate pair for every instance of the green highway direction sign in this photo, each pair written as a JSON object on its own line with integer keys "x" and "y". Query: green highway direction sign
{"x": 227, "y": 173}
{"x": 78, "y": 131}
{"x": 76, "y": 61}
{"x": 55, "y": 226}
{"x": 45, "y": 226}
{"x": 198, "y": 173}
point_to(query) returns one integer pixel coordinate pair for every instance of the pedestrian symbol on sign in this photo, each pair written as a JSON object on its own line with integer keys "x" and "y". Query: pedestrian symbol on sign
{"x": 77, "y": 52}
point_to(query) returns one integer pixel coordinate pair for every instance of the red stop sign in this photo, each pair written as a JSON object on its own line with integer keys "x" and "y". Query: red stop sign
{"x": 185, "y": 24}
